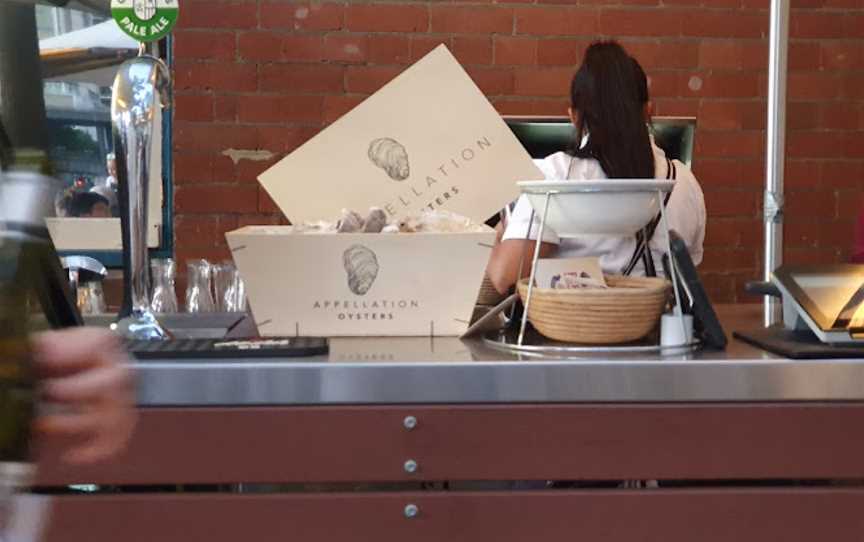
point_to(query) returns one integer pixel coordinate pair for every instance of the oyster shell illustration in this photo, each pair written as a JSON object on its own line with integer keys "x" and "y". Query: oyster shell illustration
{"x": 361, "y": 264}
{"x": 389, "y": 155}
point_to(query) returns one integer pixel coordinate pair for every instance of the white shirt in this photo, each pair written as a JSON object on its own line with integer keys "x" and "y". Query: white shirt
{"x": 685, "y": 213}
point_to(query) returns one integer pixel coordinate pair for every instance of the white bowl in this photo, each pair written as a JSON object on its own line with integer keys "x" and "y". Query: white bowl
{"x": 601, "y": 207}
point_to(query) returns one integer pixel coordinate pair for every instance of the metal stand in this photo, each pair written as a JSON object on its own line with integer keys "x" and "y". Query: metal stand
{"x": 520, "y": 346}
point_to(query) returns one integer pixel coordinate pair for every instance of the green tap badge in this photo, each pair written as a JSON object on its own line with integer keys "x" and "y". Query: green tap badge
{"x": 146, "y": 20}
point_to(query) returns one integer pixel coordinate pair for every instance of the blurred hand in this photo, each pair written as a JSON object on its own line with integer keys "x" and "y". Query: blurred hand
{"x": 86, "y": 372}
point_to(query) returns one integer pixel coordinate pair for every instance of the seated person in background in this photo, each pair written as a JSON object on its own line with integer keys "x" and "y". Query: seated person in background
{"x": 610, "y": 108}
{"x": 858, "y": 249}
{"x": 88, "y": 205}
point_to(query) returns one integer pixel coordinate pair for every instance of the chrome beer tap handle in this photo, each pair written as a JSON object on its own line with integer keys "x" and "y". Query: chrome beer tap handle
{"x": 140, "y": 91}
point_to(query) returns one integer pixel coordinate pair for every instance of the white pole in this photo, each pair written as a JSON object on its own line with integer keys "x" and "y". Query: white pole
{"x": 778, "y": 43}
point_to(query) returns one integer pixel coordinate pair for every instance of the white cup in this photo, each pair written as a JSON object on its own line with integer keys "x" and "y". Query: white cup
{"x": 670, "y": 330}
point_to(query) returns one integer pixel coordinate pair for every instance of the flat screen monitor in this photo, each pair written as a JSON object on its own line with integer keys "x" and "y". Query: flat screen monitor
{"x": 542, "y": 136}
{"x": 830, "y": 299}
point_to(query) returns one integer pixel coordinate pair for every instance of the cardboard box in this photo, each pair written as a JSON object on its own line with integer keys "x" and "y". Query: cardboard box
{"x": 360, "y": 284}
{"x": 428, "y": 140}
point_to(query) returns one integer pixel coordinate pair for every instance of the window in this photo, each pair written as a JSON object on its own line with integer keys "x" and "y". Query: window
{"x": 80, "y": 54}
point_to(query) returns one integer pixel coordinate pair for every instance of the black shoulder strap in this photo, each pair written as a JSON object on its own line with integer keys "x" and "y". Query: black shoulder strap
{"x": 644, "y": 236}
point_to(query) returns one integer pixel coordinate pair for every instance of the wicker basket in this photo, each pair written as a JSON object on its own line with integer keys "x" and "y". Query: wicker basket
{"x": 628, "y": 310}
{"x": 488, "y": 295}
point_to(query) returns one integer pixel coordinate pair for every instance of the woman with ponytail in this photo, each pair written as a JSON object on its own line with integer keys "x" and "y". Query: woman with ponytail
{"x": 610, "y": 110}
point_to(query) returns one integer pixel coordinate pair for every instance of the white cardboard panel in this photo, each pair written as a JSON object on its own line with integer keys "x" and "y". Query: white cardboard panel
{"x": 429, "y": 139}
{"x": 360, "y": 284}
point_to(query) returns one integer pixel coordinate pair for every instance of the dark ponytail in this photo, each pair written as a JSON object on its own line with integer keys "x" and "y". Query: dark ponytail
{"x": 609, "y": 93}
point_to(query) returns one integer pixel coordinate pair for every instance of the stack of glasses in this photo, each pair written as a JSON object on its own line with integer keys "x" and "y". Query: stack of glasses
{"x": 211, "y": 287}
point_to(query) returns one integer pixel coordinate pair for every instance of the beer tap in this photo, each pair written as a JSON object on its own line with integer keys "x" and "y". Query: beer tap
{"x": 140, "y": 92}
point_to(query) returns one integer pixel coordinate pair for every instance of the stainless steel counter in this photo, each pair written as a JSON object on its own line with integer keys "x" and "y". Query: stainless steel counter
{"x": 448, "y": 370}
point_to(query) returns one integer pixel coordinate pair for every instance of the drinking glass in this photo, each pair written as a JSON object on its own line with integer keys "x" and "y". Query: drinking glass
{"x": 199, "y": 296}
{"x": 164, "y": 299}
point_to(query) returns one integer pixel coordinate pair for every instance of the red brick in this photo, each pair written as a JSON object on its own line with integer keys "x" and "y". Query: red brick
{"x": 266, "y": 203}
{"x": 802, "y": 175}
{"x": 248, "y": 171}
{"x": 853, "y": 25}
{"x": 302, "y": 16}
{"x": 216, "y": 198}
{"x": 666, "y": 54}
{"x": 543, "y": 82}
{"x": 665, "y": 83}
{"x": 389, "y": 49}
{"x": 732, "y": 203}
{"x": 302, "y": 48}
{"x": 841, "y": 116}
{"x": 730, "y": 259}
{"x": 350, "y": 48}
{"x": 261, "y": 46}
{"x": 471, "y": 19}
{"x": 194, "y": 107}
{"x": 552, "y": 21}
{"x": 733, "y": 55}
{"x": 755, "y": 115}
{"x": 844, "y": 4}
{"x": 514, "y": 51}
{"x": 823, "y": 144}
{"x": 421, "y": 45}
{"x": 813, "y": 25}
{"x": 282, "y": 139}
{"x": 721, "y": 115}
{"x": 843, "y": 174}
{"x": 513, "y": 106}
{"x": 336, "y": 106}
{"x": 273, "y": 109}
{"x": 206, "y": 136}
{"x": 802, "y": 116}
{"x": 493, "y": 81}
{"x": 210, "y": 15}
{"x": 189, "y": 44}
{"x": 299, "y": 78}
{"x": 849, "y": 204}
{"x": 471, "y": 50}
{"x": 675, "y": 107}
{"x": 186, "y": 251}
{"x": 810, "y": 256}
{"x": 368, "y": 79}
{"x": 192, "y": 167}
{"x": 387, "y": 17}
{"x": 260, "y": 220}
{"x": 723, "y": 24}
{"x": 224, "y": 170}
{"x": 204, "y": 230}
{"x": 647, "y": 22}
{"x": 718, "y": 173}
{"x": 225, "y": 108}
{"x": 730, "y": 144}
{"x": 806, "y": 4}
{"x": 220, "y": 76}
{"x": 561, "y": 52}
{"x": 844, "y": 55}
{"x": 832, "y": 234}
{"x": 717, "y": 84}
{"x": 853, "y": 87}
{"x": 813, "y": 86}
{"x": 803, "y": 56}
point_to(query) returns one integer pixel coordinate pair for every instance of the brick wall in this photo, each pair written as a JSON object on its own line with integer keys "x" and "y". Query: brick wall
{"x": 267, "y": 75}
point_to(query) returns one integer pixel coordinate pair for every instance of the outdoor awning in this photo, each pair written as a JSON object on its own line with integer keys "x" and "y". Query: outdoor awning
{"x": 89, "y": 55}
